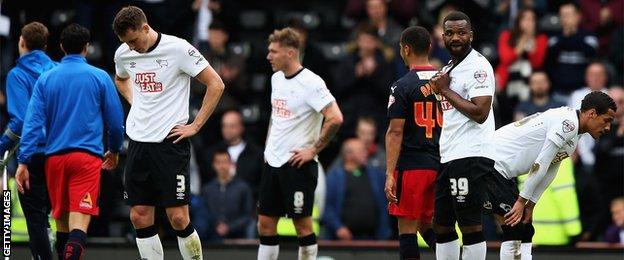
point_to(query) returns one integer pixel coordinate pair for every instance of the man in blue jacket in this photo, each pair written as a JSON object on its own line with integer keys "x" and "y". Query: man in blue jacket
{"x": 20, "y": 82}
{"x": 351, "y": 187}
{"x": 72, "y": 103}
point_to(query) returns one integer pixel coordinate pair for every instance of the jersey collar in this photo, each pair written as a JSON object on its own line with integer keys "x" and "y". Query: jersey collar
{"x": 155, "y": 44}
{"x": 295, "y": 74}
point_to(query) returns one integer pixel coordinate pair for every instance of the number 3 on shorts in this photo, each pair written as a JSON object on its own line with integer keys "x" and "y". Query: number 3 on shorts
{"x": 180, "y": 187}
{"x": 459, "y": 186}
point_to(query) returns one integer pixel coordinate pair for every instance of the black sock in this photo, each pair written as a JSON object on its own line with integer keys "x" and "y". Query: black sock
{"x": 186, "y": 231}
{"x": 307, "y": 240}
{"x": 76, "y": 244}
{"x": 408, "y": 246}
{"x": 59, "y": 245}
{"x": 429, "y": 238}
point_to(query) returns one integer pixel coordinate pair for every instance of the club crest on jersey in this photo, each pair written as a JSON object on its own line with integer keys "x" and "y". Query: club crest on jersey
{"x": 147, "y": 82}
{"x": 480, "y": 76}
{"x": 162, "y": 63}
{"x": 568, "y": 126}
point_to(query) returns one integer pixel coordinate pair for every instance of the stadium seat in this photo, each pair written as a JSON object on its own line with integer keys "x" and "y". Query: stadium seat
{"x": 333, "y": 50}
{"x": 253, "y": 19}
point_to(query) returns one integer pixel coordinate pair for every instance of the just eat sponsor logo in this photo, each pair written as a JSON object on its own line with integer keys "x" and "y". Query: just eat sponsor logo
{"x": 147, "y": 82}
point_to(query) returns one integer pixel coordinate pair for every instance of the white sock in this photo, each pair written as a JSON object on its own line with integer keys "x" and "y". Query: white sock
{"x": 150, "y": 248}
{"x": 266, "y": 252}
{"x": 510, "y": 250}
{"x": 525, "y": 249}
{"x": 448, "y": 250}
{"x": 475, "y": 251}
{"x": 308, "y": 252}
{"x": 190, "y": 247}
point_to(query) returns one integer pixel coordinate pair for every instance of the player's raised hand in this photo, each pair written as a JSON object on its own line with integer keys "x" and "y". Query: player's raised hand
{"x": 440, "y": 82}
{"x": 514, "y": 216}
{"x": 22, "y": 178}
{"x": 390, "y": 189}
{"x": 110, "y": 160}
{"x": 183, "y": 131}
{"x": 302, "y": 156}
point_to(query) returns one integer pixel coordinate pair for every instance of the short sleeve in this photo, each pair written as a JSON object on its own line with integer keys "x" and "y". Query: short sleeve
{"x": 562, "y": 132}
{"x": 480, "y": 81}
{"x": 192, "y": 62}
{"x": 397, "y": 102}
{"x": 318, "y": 95}
{"x": 120, "y": 70}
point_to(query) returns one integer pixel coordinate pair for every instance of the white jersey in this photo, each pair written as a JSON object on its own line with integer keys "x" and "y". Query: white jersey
{"x": 160, "y": 81}
{"x": 462, "y": 137}
{"x": 295, "y": 117}
{"x": 519, "y": 144}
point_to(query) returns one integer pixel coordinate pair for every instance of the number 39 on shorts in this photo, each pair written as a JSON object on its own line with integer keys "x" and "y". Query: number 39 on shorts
{"x": 459, "y": 186}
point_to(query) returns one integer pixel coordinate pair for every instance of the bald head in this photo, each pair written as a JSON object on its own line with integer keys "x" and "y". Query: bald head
{"x": 232, "y": 127}
{"x": 596, "y": 76}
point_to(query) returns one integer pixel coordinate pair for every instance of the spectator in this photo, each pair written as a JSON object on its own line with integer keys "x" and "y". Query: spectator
{"x": 521, "y": 50}
{"x": 609, "y": 167}
{"x": 540, "y": 97}
{"x": 361, "y": 81}
{"x": 402, "y": 10}
{"x": 229, "y": 65}
{"x": 616, "y": 55}
{"x": 356, "y": 205}
{"x": 596, "y": 79}
{"x": 366, "y": 131}
{"x": 228, "y": 199}
{"x": 603, "y": 18}
{"x": 569, "y": 52}
{"x": 388, "y": 30}
{"x": 245, "y": 155}
{"x": 615, "y": 232}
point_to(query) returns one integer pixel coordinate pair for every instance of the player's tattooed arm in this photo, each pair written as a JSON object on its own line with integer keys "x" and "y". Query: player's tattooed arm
{"x": 124, "y": 87}
{"x": 331, "y": 124}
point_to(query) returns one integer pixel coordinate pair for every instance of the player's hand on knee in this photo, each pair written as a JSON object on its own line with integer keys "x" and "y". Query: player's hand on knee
{"x": 514, "y": 216}
{"x": 183, "y": 131}
{"x": 302, "y": 156}
{"x": 22, "y": 177}
{"x": 110, "y": 161}
{"x": 390, "y": 189}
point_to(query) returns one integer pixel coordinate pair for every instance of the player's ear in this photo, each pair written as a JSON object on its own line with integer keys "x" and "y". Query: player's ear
{"x": 145, "y": 27}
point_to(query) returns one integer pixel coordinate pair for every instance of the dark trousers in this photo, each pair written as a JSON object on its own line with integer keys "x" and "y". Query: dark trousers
{"x": 36, "y": 207}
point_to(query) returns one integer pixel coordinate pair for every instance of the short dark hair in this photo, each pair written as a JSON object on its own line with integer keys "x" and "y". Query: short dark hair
{"x": 599, "y": 101}
{"x": 217, "y": 25}
{"x": 129, "y": 17}
{"x": 35, "y": 36}
{"x": 418, "y": 38}
{"x": 74, "y": 38}
{"x": 367, "y": 28}
{"x": 457, "y": 16}
{"x": 219, "y": 151}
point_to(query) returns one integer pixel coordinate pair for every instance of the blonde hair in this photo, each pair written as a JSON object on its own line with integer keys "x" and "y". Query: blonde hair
{"x": 286, "y": 37}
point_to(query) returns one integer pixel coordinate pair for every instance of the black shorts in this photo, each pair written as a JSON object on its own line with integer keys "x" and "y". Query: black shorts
{"x": 461, "y": 188}
{"x": 288, "y": 190}
{"x": 502, "y": 194}
{"x": 156, "y": 174}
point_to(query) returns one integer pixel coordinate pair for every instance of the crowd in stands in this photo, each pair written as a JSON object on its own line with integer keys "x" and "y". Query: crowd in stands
{"x": 546, "y": 54}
